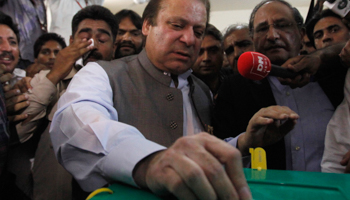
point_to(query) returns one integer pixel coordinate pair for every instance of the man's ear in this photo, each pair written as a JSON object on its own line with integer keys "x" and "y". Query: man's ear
{"x": 146, "y": 27}
{"x": 70, "y": 40}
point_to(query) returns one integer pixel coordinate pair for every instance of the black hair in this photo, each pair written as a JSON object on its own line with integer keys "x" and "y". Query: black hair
{"x": 45, "y": 38}
{"x": 317, "y": 17}
{"x": 213, "y": 31}
{"x": 95, "y": 12}
{"x": 135, "y": 18}
{"x": 154, "y": 6}
{"x": 7, "y": 20}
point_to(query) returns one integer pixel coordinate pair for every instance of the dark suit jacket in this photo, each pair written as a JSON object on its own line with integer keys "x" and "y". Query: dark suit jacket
{"x": 239, "y": 99}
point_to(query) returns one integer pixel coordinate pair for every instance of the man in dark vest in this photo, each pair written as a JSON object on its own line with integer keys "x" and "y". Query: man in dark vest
{"x": 123, "y": 120}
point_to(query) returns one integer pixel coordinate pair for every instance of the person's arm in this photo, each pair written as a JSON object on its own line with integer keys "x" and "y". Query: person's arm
{"x": 97, "y": 149}
{"x": 43, "y": 92}
{"x": 66, "y": 58}
{"x": 14, "y": 99}
{"x": 43, "y": 87}
{"x": 320, "y": 64}
{"x": 88, "y": 139}
{"x": 266, "y": 127}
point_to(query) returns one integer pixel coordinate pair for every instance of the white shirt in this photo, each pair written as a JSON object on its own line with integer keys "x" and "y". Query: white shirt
{"x": 88, "y": 139}
{"x": 337, "y": 141}
{"x": 62, "y": 12}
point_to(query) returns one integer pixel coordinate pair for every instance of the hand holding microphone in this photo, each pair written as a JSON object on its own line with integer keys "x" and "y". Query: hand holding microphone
{"x": 256, "y": 66}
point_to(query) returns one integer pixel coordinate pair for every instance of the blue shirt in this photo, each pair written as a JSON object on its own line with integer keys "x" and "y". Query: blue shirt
{"x": 305, "y": 143}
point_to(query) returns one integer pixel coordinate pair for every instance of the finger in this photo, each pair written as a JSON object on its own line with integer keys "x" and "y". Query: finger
{"x": 304, "y": 80}
{"x": 232, "y": 160}
{"x": 2, "y": 69}
{"x": 16, "y": 99}
{"x": 203, "y": 174}
{"x": 20, "y": 106}
{"x": 6, "y": 87}
{"x": 11, "y": 93}
{"x": 83, "y": 44}
{"x": 298, "y": 64}
{"x": 25, "y": 84}
{"x": 277, "y": 113}
{"x": 345, "y": 159}
{"x": 17, "y": 107}
{"x": 162, "y": 179}
{"x": 6, "y": 77}
{"x": 289, "y": 63}
{"x": 347, "y": 169}
{"x": 17, "y": 118}
{"x": 284, "y": 81}
{"x": 175, "y": 185}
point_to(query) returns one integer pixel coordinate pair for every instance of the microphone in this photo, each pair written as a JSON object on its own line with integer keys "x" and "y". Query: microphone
{"x": 256, "y": 66}
{"x": 340, "y": 7}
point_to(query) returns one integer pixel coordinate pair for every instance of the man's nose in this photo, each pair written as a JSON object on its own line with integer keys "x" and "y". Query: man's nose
{"x": 52, "y": 55}
{"x": 327, "y": 37}
{"x": 126, "y": 36}
{"x": 5, "y": 46}
{"x": 188, "y": 37}
{"x": 238, "y": 51}
{"x": 272, "y": 33}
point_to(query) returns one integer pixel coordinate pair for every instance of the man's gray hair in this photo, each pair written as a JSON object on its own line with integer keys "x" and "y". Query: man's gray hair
{"x": 232, "y": 28}
{"x": 297, "y": 16}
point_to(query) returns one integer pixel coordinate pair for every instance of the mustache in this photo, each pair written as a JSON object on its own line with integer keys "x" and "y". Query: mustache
{"x": 95, "y": 55}
{"x": 126, "y": 43}
{"x": 7, "y": 54}
{"x": 274, "y": 45}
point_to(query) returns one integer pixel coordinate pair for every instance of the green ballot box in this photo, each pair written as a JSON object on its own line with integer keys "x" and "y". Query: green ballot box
{"x": 264, "y": 184}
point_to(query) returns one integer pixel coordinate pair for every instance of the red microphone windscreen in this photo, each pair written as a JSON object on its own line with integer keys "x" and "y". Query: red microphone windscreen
{"x": 253, "y": 65}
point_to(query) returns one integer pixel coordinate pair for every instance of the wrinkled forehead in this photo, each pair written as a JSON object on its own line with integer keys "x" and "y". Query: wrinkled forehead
{"x": 271, "y": 12}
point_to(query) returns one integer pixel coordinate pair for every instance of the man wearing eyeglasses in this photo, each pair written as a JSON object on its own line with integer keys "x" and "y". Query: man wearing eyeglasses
{"x": 275, "y": 27}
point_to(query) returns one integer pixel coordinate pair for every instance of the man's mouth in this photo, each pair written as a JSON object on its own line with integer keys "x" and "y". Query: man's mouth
{"x": 274, "y": 47}
{"x": 183, "y": 53}
{"x": 50, "y": 64}
{"x": 207, "y": 67}
{"x": 126, "y": 45}
{"x": 6, "y": 57}
{"x": 6, "y": 60}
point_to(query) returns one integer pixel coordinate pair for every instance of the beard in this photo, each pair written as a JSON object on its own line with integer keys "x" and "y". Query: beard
{"x": 120, "y": 54}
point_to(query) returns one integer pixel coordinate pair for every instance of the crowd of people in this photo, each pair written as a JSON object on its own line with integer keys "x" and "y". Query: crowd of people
{"x": 156, "y": 101}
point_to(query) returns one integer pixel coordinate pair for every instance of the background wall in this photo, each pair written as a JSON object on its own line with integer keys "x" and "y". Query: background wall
{"x": 223, "y": 12}
{"x": 222, "y": 19}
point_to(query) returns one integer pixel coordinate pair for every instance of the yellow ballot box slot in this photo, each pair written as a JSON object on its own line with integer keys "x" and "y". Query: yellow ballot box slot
{"x": 258, "y": 156}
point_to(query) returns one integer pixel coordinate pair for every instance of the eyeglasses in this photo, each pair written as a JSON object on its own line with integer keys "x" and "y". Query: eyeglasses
{"x": 279, "y": 26}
